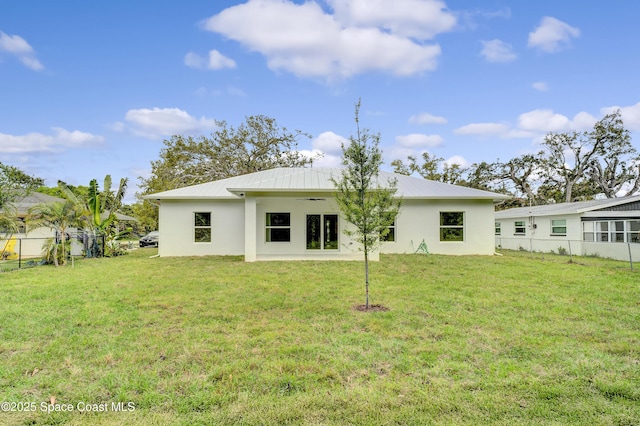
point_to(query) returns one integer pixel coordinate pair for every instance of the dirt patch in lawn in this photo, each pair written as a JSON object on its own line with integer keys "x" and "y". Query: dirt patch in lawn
{"x": 372, "y": 308}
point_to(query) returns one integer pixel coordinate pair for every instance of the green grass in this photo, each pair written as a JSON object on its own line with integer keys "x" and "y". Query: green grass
{"x": 211, "y": 340}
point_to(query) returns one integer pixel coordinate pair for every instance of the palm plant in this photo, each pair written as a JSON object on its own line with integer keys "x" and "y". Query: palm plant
{"x": 99, "y": 208}
{"x": 59, "y": 216}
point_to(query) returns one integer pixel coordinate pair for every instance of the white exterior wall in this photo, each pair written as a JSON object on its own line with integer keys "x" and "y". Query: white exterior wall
{"x": 176, "y": 226}
{"x": 299, "y": 207}
{"x": 30, "y": 244}
{"x": 540, "y": 239}
{"x": 619, "y": 251}
{"x": 538, "y": 236}
{"x": 420, "y": 219}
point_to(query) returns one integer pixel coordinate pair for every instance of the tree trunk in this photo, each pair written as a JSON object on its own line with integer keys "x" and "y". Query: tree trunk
{"x": 366, "y": 279}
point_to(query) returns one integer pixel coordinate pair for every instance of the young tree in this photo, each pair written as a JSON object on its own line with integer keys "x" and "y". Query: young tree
{"x": 365, "y": 201}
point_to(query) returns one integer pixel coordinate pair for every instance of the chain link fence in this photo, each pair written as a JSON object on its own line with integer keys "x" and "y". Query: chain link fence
{"x": 621, "y": 251}
{"x": 17, "y": 252}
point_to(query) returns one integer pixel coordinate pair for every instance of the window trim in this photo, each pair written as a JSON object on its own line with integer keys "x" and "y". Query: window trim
{"x": 268, "y": 227}
{"x": 460, "y": 227}
{"x": 202, "y": 227}
{"x": 523, "y": 227}
{"x": 554, "y": 232}
{"x": 392, "y": 232}
{"x": 322, "y": 232}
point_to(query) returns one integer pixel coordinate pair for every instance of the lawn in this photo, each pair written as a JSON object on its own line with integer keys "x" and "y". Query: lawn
{"x": 466, "y": 340}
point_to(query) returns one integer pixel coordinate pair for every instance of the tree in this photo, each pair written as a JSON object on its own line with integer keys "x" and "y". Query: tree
{"x": 98, "y": 209}
{"x": 432, "y": 168}
{"x": 59, "y": 216}
{"x": 522, "y": 172}
{"x": 257, "y": 144}
{"x": 14, "y": 183}
{"x": 616, "y": 168}
{"x": 364, "y": 201}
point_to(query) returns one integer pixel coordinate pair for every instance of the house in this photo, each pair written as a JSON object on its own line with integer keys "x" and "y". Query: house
{"x": 27, "y": 241}
{"x": 606, "y": 228}
{"x": 290, "y": 213}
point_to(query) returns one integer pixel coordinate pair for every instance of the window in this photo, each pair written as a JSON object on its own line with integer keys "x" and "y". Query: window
{"x": 520, "y": 227}
{"x": 498, "y": 228}
{"x": 451, "y": 226}
{"x": 612, "y": 231}
{"x": 202, "y": 227}
{"x": 559, "y": 227}
{"x": 633, "y": 231}
{"x": 278, "y": 227}
{"x": 587, "y": 231}
{"x": 390, "y": 237}
{"x": 322, "y": 232}
{"x": 602, "y": 232}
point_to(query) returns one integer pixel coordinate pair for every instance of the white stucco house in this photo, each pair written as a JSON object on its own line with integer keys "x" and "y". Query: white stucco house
{"x": 606, "y": 228}
{"x": 290, "y": 214}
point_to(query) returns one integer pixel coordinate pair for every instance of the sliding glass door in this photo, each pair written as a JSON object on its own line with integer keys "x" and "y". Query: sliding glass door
{"x": 322, "y": 232}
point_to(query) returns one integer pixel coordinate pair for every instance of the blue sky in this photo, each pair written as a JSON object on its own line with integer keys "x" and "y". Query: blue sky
{"x": 93, "y": 88}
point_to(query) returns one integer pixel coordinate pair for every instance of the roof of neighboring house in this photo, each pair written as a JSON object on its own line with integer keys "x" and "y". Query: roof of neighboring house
{"x": 566, "y": 208}
{"x": 33, "y": 199}
{"x": 317, "y": 180}
{"x": 25, "y": 203}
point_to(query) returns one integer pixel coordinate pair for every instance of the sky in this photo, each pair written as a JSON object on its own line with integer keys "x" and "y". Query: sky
{"x": 90, "y": 88}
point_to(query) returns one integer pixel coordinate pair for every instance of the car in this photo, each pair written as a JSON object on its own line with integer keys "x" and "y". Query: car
{"x": 150, "y": 240}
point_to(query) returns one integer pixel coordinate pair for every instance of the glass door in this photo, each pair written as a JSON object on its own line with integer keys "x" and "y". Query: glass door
{"x": 322, "y": 232}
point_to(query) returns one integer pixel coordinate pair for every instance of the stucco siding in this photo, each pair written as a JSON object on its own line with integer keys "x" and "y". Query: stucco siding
{"x": 176, "y": 225}
{"x": 298, "y": 209}
{"x": 420, "y": 220}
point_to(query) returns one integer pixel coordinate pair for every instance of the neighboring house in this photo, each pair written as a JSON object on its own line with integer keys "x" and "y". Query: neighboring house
{"x": 27, "y": 241}
{"x": 290, "y": 213}
{"x": 606, "y": 228}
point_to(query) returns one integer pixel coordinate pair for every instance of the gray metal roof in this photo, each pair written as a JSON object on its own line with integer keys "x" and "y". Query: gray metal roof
{"x": 565, "y": 208}
{"x": 316, "y": 180}
{"x": 25, "y": 203}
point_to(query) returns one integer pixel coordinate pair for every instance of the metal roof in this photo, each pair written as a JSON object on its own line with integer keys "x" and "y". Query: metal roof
{"x": 34, "y": 198}
{"x": 565, "y": 208}
{"x": 302, "y": 179}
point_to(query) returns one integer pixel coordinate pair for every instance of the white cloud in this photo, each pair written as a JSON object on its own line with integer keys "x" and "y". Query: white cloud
{"x": 304, "y": 40}
{"x": 216, "y": 61}
{"x": 483, "y": 129}
{"x": 497, "y": 51}
{"x": 630, "y": 115}
{"x": 329, "y": 142}
{"x": 156, "y": 123}
{"x": 545, "y": 120}
{"x": 17, "y": 46}
{"x": 420, "y": 19}
{"x": 552, "y": 35}
{"x": 457, "y": 159}
{"x": 540, "y": 86}
{"x": 60, "y": 140}
{"x": 329, "y": 145}
{"x": 418, "y": 140}
{"x": 426, "y": 118}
